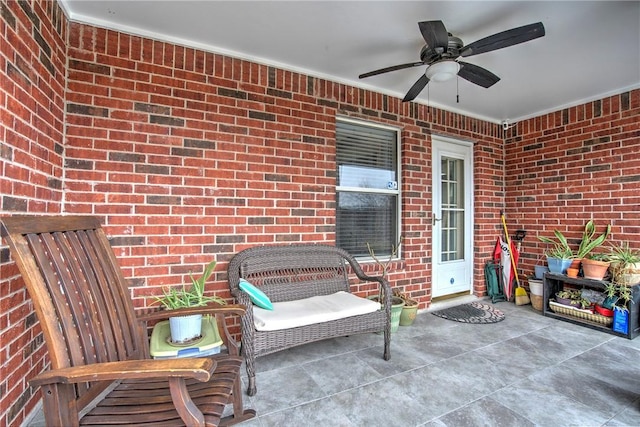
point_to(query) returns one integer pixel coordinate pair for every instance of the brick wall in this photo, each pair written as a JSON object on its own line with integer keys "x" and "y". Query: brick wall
{"x": 569, "y": 166}
{"x": 32, "y": 72}
{"x": 188, "y": 156}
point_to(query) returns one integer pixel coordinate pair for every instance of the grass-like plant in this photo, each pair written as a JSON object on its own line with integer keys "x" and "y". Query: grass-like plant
{"x": 192, "y": 296}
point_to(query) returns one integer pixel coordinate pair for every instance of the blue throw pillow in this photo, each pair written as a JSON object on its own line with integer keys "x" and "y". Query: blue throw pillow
{"x": 257, "y": 296}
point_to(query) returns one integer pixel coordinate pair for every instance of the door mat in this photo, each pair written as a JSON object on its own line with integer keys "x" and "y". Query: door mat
{"x": 473, "y": 312}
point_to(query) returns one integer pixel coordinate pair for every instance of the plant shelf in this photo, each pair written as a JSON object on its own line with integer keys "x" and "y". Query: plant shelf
{"x": 553, "y": 283}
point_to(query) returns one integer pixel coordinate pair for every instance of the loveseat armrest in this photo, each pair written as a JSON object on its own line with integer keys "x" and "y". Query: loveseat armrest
{"x": 384, "y": 288}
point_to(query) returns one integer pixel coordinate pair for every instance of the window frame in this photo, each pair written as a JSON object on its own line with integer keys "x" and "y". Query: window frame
{"x": 395, "y": 192}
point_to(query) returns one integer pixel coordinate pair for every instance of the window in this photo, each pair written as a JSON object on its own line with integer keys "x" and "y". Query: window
{"x": 368, "y": 191}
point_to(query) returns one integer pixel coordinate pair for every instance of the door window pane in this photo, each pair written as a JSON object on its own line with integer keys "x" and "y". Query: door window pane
{"x": 452, "y": 209}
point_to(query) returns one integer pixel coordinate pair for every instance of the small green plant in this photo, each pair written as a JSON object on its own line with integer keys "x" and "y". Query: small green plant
{"x": 618, "y": 295}
{"x": 190, "y": 297}
{"x": 559, "y": 252}
{"x": 599, "y": 257}
{"x": 623, "y": 263}
{"x": 560, "y": 248}
{"x": 588, "y": 243}
{"x": 610, "y": 289}
{"x": 624, "y": 255}
{"x": 569, "y": 294}
{"x": 624, "y": 293}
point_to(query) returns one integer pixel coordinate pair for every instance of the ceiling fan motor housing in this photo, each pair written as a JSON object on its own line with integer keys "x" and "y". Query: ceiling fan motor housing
{"x": 428, "y": 55}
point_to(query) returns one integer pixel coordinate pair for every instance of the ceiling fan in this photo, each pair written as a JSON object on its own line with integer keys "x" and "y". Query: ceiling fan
{"x": 443, "y": 49}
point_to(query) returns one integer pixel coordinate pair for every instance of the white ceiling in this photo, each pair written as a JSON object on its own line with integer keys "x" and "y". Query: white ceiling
{"x": 591, "y": 48}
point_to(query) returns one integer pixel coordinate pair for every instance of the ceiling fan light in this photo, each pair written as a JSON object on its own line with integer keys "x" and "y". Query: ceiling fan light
{"x": 442, "y": 71}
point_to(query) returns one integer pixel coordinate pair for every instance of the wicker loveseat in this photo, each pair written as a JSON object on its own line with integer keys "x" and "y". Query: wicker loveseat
{"x": 290, "y": 273}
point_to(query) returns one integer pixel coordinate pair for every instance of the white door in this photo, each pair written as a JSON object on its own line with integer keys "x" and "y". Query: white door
{"x": 452, "y": 216}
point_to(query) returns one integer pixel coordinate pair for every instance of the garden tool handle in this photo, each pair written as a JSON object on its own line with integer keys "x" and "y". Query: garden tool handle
{"x": 513, "y": 262}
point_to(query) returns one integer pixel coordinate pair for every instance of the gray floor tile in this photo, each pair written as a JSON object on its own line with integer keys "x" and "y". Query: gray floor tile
{"x": 484, "y": 413}
{"x": 341, "y": 372}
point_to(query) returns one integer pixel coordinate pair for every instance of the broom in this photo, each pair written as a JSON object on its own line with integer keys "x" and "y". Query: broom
{"x": 521, "y": 294}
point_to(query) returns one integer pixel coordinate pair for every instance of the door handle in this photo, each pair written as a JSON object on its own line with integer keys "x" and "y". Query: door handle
{"x": 434, "y": 219}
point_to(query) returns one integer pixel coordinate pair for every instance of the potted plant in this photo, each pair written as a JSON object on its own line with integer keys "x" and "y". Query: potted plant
{"x": 605, "y": 308}
{"x": 409, "y": 308}
{"x": 397, "y": 303}
{"x": 616, "y": 304}
{"x": 189, "y": 327}
{"x": 559, "y": 259}
{"x": 571, "y": 298}
{"x": 559, "y": 256}
{"x": 595, "y": 266}
{"x": 588, "y": 243}
{"x": 625, "y": 264}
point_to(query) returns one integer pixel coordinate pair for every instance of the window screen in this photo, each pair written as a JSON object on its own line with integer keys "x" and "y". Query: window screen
{"x": 368, "y": 188}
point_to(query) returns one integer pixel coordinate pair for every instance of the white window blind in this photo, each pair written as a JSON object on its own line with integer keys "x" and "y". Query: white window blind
{"x": 368, "y": 192}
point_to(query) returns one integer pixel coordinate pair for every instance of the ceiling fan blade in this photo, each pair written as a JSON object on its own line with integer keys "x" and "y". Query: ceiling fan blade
{"x": 478, "y": 75}
{"x": 504, "y": 39}
{"x": 392, "y": 68}
{"x": 416, "y": 88}
{"x": 435, "y": 34}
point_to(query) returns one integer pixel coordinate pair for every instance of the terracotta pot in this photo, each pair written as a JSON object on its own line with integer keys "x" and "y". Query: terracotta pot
{"x": 572, "y": 272}
{"x": 575, "y": 263}
{"x": 595, "y": 270}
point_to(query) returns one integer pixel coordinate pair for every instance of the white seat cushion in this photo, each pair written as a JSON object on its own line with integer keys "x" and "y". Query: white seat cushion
{"x": 318, "y": 309}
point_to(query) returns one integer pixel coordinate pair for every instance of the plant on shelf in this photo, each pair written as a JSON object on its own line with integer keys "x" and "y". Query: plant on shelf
{"x": 588, "y": 243}
{"x": 559, "y": 254}
{"x": 617, "y": 295}
{"x": 625, "y": 264}
{"x": 595, "y": 266}
{"x": 571, "y": 297}
{"x": 560, "y": 248}
{"x": 186, "y": 297}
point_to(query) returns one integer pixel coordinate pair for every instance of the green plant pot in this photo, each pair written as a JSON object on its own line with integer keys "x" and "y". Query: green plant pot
{"x": 408, "y": 315}
{"x": 396, "y": 311}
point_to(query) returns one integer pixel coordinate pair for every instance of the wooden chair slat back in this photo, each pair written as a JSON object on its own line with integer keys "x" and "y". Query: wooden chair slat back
{"x": 79, "y": 293}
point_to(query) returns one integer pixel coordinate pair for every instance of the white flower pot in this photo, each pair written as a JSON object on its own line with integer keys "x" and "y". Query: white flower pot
{"x": 185, "y": 328}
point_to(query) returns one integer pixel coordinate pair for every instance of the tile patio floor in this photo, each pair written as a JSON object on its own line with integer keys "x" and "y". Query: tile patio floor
{"x": 527, "y": 370}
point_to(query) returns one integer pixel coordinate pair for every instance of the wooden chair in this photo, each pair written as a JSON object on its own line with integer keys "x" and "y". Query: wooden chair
{"x": 101, "y": 372}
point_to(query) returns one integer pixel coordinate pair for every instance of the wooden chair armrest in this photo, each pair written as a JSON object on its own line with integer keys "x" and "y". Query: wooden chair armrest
{"x": 213, "y": 308}
{"x": 199, "y": 369}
